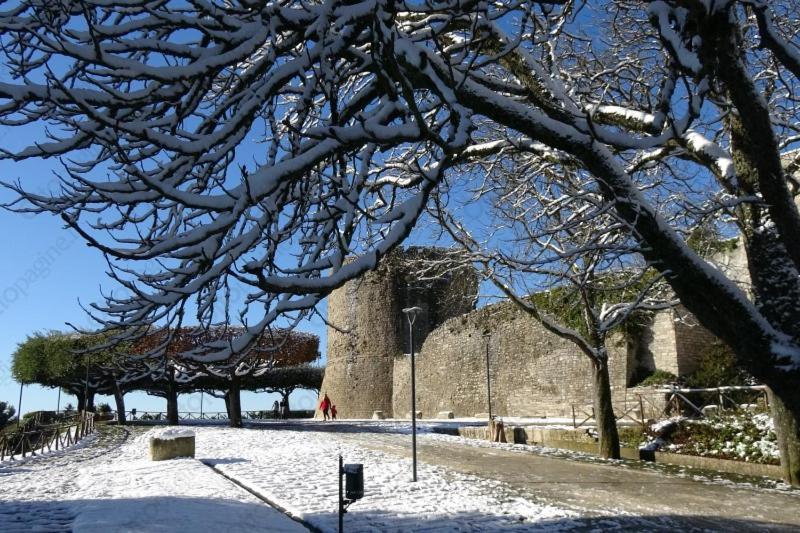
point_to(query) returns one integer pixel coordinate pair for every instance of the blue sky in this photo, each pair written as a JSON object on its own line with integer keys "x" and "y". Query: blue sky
{"x": 44, "y": 272}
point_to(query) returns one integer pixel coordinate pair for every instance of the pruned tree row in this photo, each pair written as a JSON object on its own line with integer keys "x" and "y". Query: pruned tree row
{"x": 86, "y": 365}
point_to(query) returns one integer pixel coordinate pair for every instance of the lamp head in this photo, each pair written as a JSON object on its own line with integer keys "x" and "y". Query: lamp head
{"x": 412, "y": 311}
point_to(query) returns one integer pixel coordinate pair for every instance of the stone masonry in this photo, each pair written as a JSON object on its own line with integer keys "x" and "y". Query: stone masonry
{"x": 533, "y": 372}
{"x": 368, "y": 330}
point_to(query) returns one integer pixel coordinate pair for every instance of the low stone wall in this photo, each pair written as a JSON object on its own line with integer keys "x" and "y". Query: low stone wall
{"x": 579, "y": 440}
{"x": 721, "y": 465}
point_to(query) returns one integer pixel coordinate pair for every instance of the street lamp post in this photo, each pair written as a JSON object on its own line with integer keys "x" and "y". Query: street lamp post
{"x": 411, "y": 314}
{"x": 488, "y": 336}
{"x": 19, "y": 405}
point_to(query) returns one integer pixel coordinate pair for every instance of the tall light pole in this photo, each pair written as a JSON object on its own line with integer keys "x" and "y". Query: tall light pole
{"x": 411, "y": 314}
{"x": 19, "y": 405}
{"x": 488, "y": 336}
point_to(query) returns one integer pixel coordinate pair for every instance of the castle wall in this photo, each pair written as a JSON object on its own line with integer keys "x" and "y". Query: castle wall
{"x": 663, "y": 346}
{"x": 533, "y": 372}
{"x": 358, "y": 375}
{"x": 368, "y": 329}
{"x": 691, "y": 340}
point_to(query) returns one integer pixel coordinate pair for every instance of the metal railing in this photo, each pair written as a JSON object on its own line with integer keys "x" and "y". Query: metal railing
{"x": 151, "y": 416}
{"x": 155, "y": 416}
{"x": 39, "y": 438}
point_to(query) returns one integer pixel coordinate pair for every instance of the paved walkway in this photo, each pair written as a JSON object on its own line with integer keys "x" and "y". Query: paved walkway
{"x": 108, "y": 484}
{"x": 652, "y": 498}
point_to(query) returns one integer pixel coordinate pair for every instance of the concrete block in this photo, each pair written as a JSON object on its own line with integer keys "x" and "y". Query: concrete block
{"x": 445, "y": 414}
{"x": 171, "y": 444}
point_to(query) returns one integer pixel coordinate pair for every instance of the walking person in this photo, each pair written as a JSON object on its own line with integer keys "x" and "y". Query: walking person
{"x": 324, "y": 406}
{"x": 275, "y": 410}
{"x": 333, "y": 412}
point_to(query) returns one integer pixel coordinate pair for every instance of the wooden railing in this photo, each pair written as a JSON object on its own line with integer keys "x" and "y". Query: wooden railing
{"x": 36, "y": 438}
{"x": 677, "y": 402}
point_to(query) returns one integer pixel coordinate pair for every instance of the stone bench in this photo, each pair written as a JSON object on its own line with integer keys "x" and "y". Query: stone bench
{"x": 172, "y": 443}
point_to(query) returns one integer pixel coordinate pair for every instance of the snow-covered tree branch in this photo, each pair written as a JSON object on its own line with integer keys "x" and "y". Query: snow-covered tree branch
{"x": 287, "y": 146}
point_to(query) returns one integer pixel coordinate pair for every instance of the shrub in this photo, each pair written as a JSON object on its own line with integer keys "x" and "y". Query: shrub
{"x": 742, "y": 437}
{"x": 716, "y": 367}
{"x": 103, "y": 408}
{"x": 659, "y": 377}
{"x": 6, "y": 414}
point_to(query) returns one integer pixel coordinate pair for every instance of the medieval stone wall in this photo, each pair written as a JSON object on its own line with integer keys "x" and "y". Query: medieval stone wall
{"x": 363, "y": 338}
{"x": 368, "y": 330}
{"x": 533, "y": 372}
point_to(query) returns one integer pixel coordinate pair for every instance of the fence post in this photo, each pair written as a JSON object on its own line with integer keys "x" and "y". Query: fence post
{"x": 641, "y": 409}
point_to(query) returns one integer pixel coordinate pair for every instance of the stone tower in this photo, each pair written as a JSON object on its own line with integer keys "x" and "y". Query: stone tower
{"x": 368, "y": 331}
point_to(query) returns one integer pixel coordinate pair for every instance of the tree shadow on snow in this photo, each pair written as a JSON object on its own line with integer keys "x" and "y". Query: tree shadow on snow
{"x": 191, "y": 515}
{"x": 355, "y": 521}
{"x": 150, "y": 514}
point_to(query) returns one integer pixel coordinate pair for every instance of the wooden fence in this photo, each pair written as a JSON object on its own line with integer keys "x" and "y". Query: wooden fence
{"x": 677, "y": 402}
{"x": 36, "y": 438}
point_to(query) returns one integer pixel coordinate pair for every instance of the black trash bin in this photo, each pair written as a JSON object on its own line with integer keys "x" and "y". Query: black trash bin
{"x": 354, "y": 481}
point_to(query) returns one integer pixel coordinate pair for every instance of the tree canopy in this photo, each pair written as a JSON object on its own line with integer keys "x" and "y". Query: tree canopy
{"x": 57, "y": 359}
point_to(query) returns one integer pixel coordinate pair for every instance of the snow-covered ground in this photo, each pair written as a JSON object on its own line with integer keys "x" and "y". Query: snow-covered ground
{"x": 85, "y": 490}
{"x": 122, "y": 490}
{"x": 297, "y": 470}
{"x": 254, "y": 479}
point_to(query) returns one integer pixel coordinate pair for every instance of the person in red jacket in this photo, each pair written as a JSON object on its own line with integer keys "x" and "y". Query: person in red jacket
{"x": 333, "y": 412}
{"x": 324, "y": 406}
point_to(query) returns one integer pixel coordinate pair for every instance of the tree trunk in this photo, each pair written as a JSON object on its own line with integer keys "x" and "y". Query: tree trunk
{"x": 119, "y": 398}
{"x": 604, "y": 412}
{"x": 777, "y": 293}
{"x": 233, "y": 401}
{"x": 285, "y": 410}
{"x": 172, "y": 403}
{"x": 90, "y": 401}
{"x": 81, "y": 401}
{"x": 784, "y": 399}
